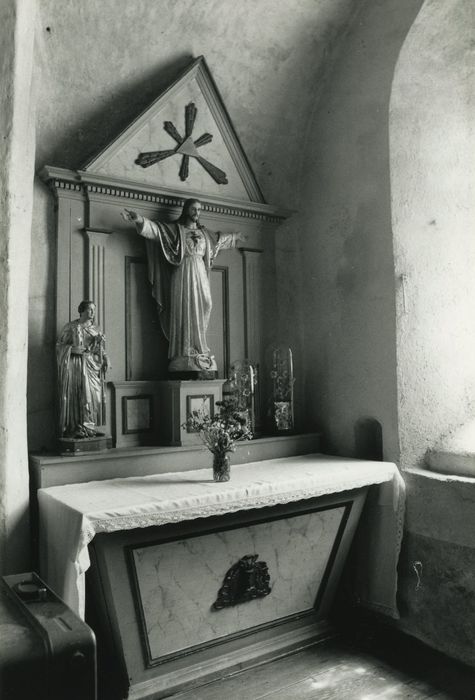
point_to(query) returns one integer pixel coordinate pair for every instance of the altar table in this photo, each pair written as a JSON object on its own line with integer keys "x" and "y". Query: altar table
{"x": 71, "y": 515}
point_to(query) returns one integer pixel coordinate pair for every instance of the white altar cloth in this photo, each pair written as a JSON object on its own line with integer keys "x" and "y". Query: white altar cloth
{"x": 71, "y": 515}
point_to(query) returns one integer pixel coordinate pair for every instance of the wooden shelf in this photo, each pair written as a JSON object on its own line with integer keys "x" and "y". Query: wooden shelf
{"x": 53, "y": 470}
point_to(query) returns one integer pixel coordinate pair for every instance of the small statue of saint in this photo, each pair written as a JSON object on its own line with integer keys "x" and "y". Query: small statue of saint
{"x": 180, "y": 255}
{"x": 82, "y": 363}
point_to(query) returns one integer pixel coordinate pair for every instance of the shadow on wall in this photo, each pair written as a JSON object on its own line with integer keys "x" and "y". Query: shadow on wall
{"x": 41, "y": 368}
{"x": 83, "y": 139}
{"x": 96, "y": 129}
{"x": 432, "y": 176}
{"x": 367, "y": 442}
{"x": 369, "y": 439}
{"x": 346, "y": 234}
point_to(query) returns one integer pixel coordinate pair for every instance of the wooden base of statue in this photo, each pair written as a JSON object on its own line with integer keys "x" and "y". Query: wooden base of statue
{"x": 177, "y": 399}
{"x": 201, "y": 375}
{"x": 80, "y": 446}
{"x": 194, "y": 365}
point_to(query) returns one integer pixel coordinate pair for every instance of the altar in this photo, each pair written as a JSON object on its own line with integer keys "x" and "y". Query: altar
{"x": 163, "y": 548}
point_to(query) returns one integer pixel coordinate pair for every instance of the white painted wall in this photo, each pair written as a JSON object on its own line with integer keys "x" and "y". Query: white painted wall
{"x": 346, "y": 267}
{"x": 17, "y": 148}
{"x": 432, "y": 142}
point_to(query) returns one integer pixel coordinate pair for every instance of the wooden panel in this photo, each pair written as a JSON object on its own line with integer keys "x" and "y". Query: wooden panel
{"x": 252, "y": 304}
{"x": 145, "y": 345}
{"x": 253, "y": 326}
{"x": 78, "y": 269}
{"x": 218, "y": 331}
{"x": 96, "y": 279}
{"x": 51, "y": 470}
{"x": 191, "y": 395}
{"x": 69, "y": 278}
{"x": 126, "y": 311}
{"x": 84, "y": 271}
{"x": 63, "y": 263}
{"x": 137, "y": 414}
{"x": 231, "y": 260}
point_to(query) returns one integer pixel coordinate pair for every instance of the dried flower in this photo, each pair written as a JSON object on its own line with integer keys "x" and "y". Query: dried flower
{"x": 220, "y": 432}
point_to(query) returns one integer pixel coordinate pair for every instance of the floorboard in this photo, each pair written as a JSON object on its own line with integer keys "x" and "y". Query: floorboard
{"x": 366, "y": 666}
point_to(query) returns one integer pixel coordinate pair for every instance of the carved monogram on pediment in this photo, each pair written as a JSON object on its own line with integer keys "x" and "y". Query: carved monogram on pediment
{"x": 186, "y": 148}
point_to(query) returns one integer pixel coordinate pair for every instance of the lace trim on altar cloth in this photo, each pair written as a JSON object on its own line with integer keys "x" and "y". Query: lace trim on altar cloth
{"x": 91, "y": 527}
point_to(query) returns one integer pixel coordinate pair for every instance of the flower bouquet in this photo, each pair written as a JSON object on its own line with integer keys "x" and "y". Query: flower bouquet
{"x": 219, "y": 433}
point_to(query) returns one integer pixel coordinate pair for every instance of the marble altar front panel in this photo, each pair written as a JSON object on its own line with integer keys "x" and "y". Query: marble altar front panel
{"x": 177, "y": 582}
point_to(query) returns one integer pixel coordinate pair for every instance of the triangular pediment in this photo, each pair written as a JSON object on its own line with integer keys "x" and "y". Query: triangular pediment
{"x": 185, "y": 141}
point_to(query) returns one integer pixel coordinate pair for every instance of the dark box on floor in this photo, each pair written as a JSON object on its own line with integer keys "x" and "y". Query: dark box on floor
{"x": 46, "y": 651}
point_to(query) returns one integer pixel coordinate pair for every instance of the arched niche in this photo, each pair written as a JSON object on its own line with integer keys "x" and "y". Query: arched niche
{"x": 432, "y": 142}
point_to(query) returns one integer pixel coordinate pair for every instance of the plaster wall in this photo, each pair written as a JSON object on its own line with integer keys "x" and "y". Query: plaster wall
{"x": 98, "y": 65}
{"x": 436, "y": 585}
{"x": 433, "y": 204}
{"x": 432, "y": 143}
{"x": 347, "y": 277}
{"x": 17, "y": 147}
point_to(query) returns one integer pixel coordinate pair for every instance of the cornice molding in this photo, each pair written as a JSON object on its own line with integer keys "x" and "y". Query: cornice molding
{"x": 93, "y": 186}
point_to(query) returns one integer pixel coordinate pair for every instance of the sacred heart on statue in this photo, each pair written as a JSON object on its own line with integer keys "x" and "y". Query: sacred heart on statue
{"x": 186, "y": 148}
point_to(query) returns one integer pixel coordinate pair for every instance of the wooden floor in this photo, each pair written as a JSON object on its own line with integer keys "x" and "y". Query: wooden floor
{"x": 372, "y": 666}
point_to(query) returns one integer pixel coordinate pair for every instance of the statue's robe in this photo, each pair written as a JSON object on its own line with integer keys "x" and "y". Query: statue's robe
{"x": 80, "y": 385}
{"x": 179, "y": 264}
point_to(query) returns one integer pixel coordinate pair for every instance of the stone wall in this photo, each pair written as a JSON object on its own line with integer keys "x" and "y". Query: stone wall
{"x": 433, "y": 205}
{"x": 436, "y": 586}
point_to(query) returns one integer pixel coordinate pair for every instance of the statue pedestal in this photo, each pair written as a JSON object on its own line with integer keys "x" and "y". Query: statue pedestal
{"x": 177, "y": 399}
{"x": 195, "y": 365}
{"x": 202, "y": 375}
{"x": 81, "y": 446}
{"x": 153, "y": 412}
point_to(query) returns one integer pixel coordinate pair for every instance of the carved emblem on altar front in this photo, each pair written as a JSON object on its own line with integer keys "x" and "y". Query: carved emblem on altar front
{"x": 246, "y": 580}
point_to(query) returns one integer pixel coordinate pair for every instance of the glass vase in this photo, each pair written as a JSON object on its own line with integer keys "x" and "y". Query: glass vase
{"x": 281, "y": 375}
{"x": 221, "y": 467}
